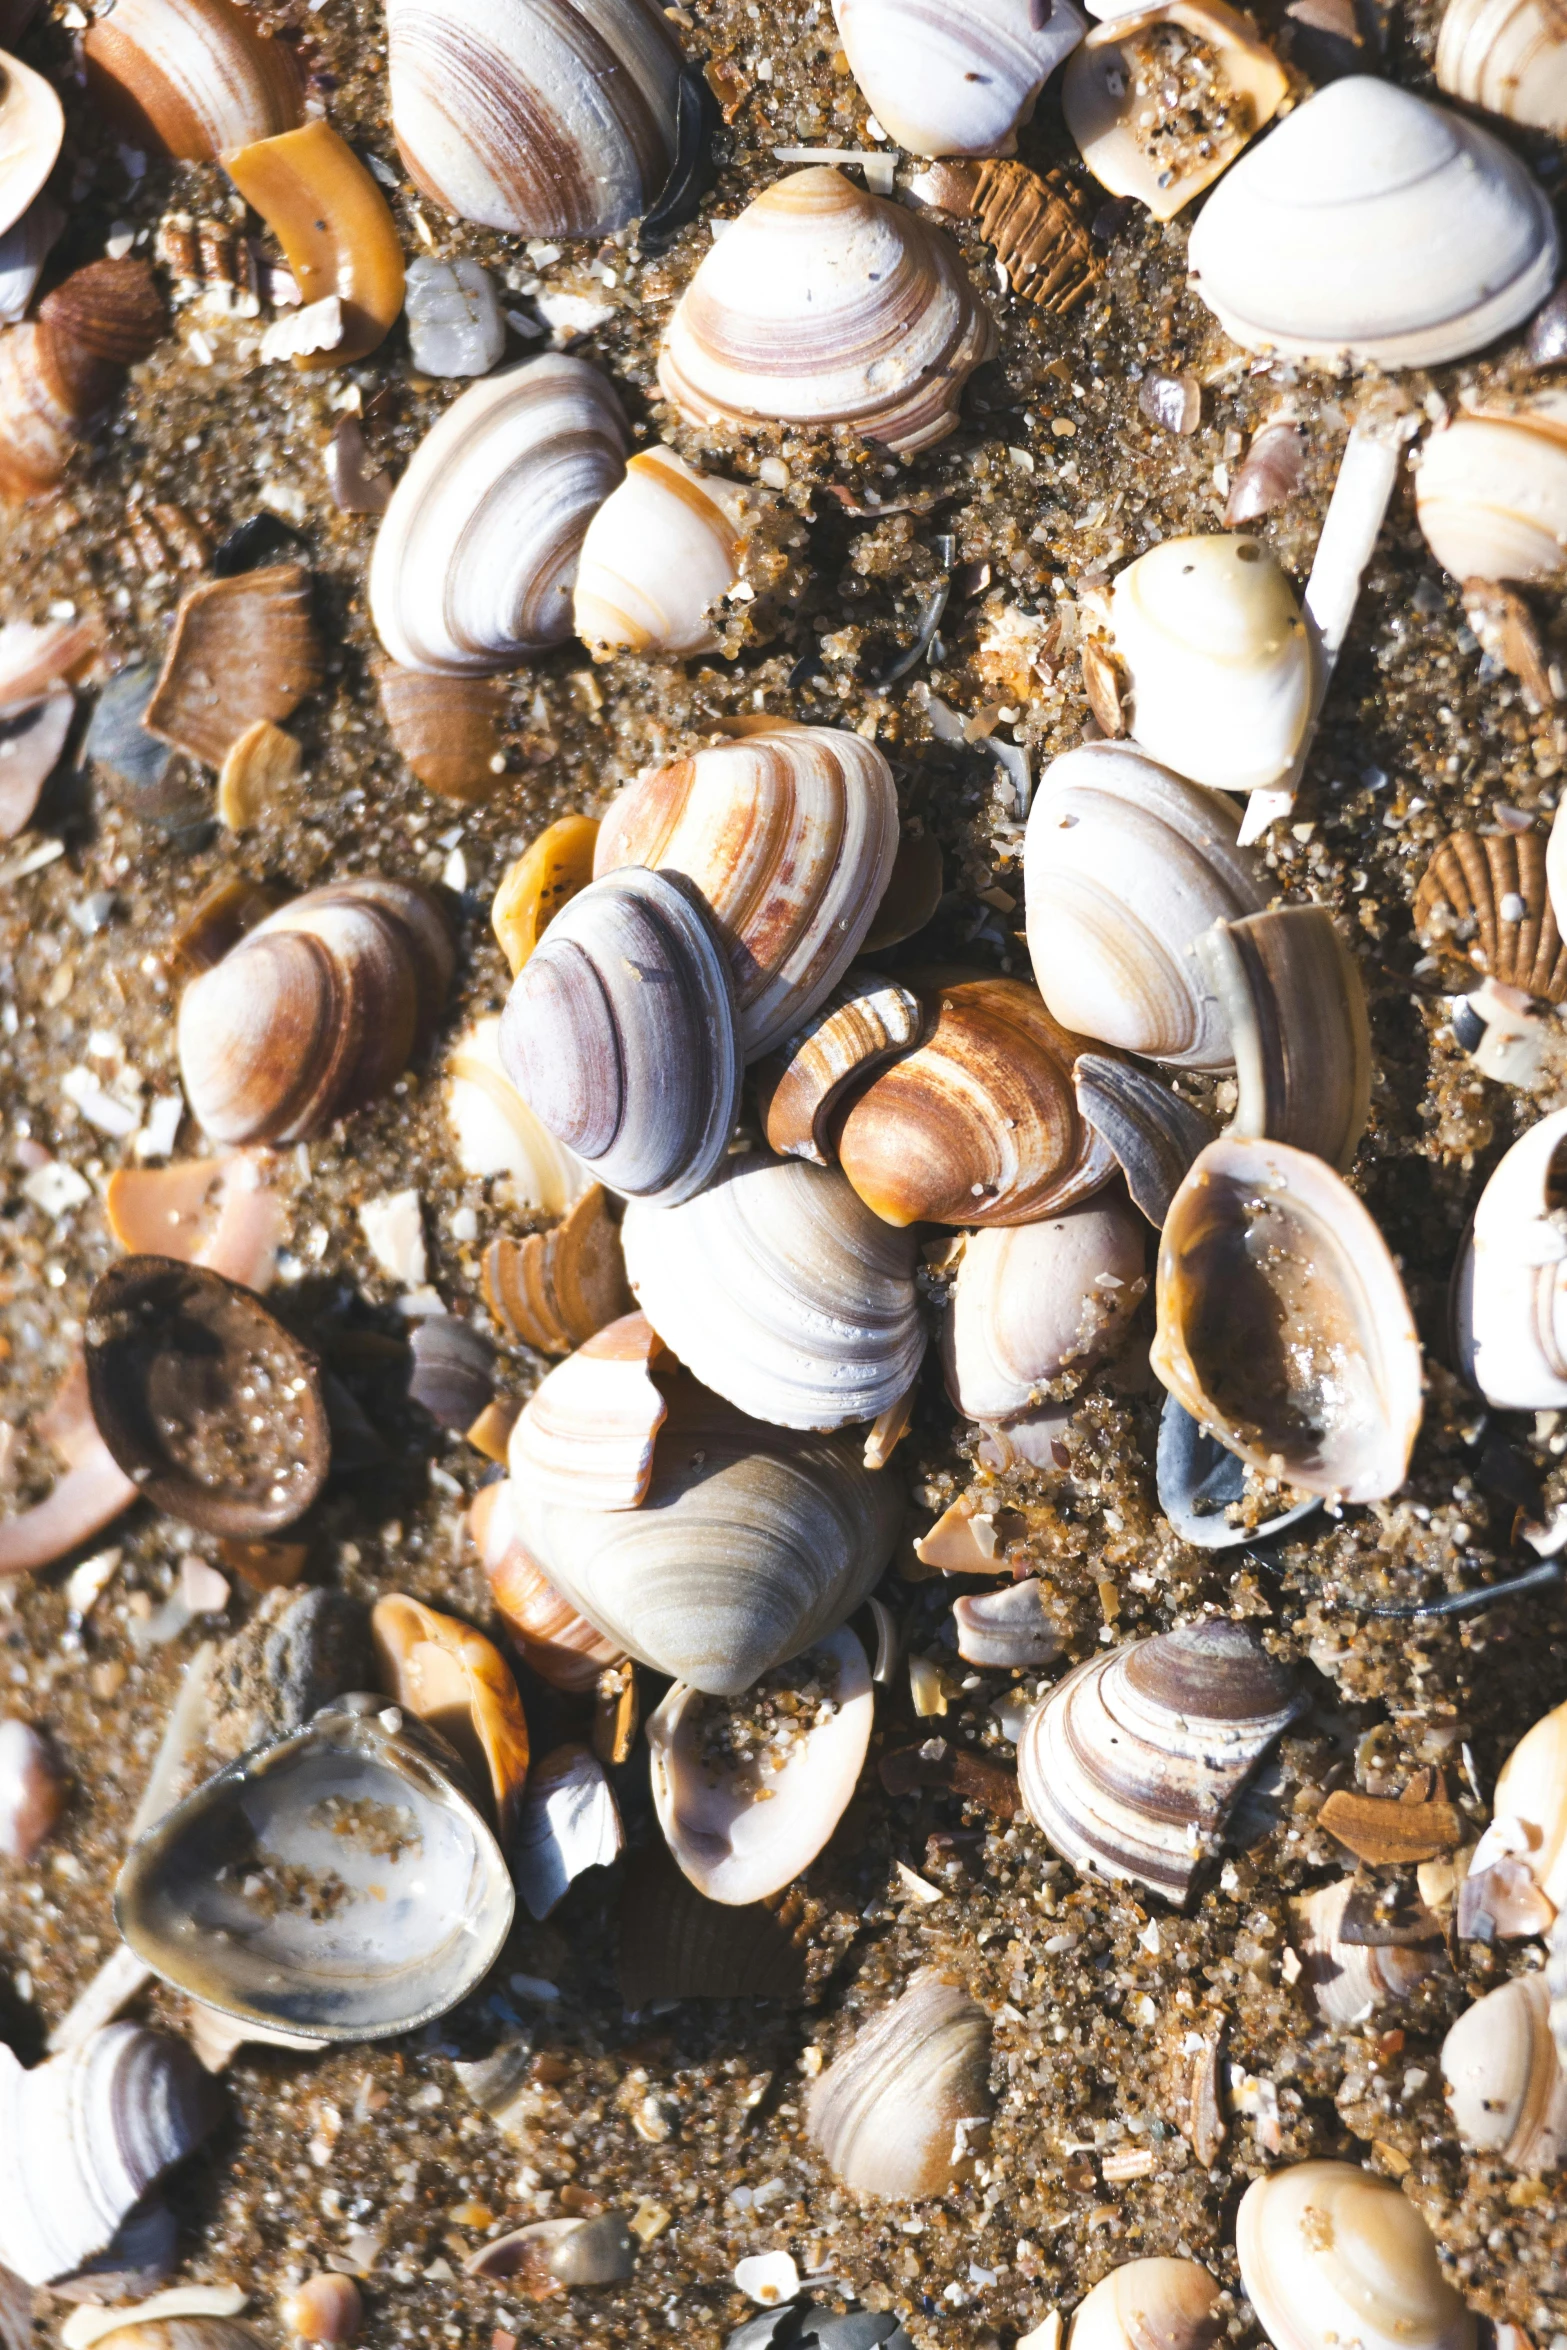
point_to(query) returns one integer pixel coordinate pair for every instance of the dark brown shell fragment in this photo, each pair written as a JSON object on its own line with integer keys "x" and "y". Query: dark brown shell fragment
{"x": 1037, "y": 226}
{"x": 676, "y": 1944}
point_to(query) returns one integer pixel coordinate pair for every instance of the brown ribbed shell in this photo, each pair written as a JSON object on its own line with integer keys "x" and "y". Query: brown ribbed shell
{"x": 240, "y": 649}
{"x": 1459, "y": 906}
{"x": 447, "y": 728}
{"x": 1036, "y": 225}
{"x": 676, "y": 1944}
{"x": 60, "y": 370}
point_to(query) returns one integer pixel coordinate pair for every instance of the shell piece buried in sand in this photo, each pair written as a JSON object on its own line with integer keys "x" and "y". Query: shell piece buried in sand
{"x": 620, "y": 1035}
{"x": 1283, "y": 1324}
{"x": 1529, "y": 1812}
{"x": 1038, "y": 227}
{"x": 1491, "y": 491}
{"x": 676, "y": 1944}
{"x": 1330, "y": 2253}
{"x": 1131, "y": 1764}
{"x": 84, "y": 2137}
{"x": 1508, "y": 56}
{"x": 1505, "y": 2082}
{"x": 899, "y": 2113}
{"x": 476, "y": 558}
{"x": 336, "y": 230}
{"x": 749, "y": 1790}
{"x": 1509, "y": 1288}
{"x": 1126, "y": 864}
{"x": 865, "y": 1020}
{"x": 446, "y": 727}
{"x": 241, "y": 649}
{"x": 560, "y": 1645}
{"x": 1296, "y": 1010}
{"x": 191, "y": 78}
{"x": 543, "y": 122}
{"x": 824, "y": 305}
{"x": 958, "y": 80}
{"x": 1350, "y": 1980}
{"x": 1485, "y": 896}
{"x": 1203, "y": 1488}
{"x": 1140, "y": 140}
{"x": 410, "y": 1900}
{"x": 1150, "y": 2305}
{"x": 1374, "y": 226}
{"x": 779, "y": 1289}
{"x": 1034, "y": 1301}
{"x": 495, "y": 1132}
{"x": 1008, "y": 1627}
{"x": 60, "y": 370}
{"x": 450, "y": 1676}
{"x": 569, "y": 1822}
{"x": 32, "y": 126}
{"x": 790, "y": 834}
{"x": 533, "y": 889}
{"x": 660, "y": 552}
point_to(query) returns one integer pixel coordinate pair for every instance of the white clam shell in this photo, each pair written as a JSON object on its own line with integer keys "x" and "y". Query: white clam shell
{"x": 547, "y": 122}
{"x": 955, "y": 79}
{"x": 476, "y": 556}
{"x": 1505, "y": 2082}
{"x": 888, "y": 2115}
{"x": 1032, "y": 1301}
{"x": 1509, "y": 1297}
{"x": 660, "y": 553}
{"x": 1331, "y": 2254}
{"x": 1216, "y": 651}
{"x": 1508, "y": 56}
{"x": 1105, "y": 106}
{"x": 780, "y": 1290}
{"x": 1349, "y": 1981}
{"x": 495, "y": 1133}
{"x": 1149, "y": 2305}
{"x": 740, "y": 1834}
{"x": 824, "y": 305}
{"x": 1491, "y": 492}
{"x": 1374, "y": 225}
{"x": 1125, "y": 866}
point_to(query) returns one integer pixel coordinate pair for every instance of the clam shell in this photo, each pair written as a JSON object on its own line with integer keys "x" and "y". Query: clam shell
{"x": 447, "y": 728}
{"x": 979, "y": 1125}
{"x": 620, "y": 1034}
{"x": 241, "y": 649}
{"x": 1329, "y": 2252}
{"x": 1131, "y": 1764}
{"x": 953, "y": 81}
{"x": 1491, "y": 491}
{"x": 1149, "y": 2305}
{"x": 24, "y": 248}
{"x": 744, "y": 1816}
{"x": 1529, "y": 1808}
{"x": 1349, "y": 1981}
{"x": 32, "y": 126}
{"x": 659, "y": 554}
{"x": 1034, "y": 1301}
{"x": 781, "y": 1291}
{"x": 1201, "y": 1482}
{"x": 1509, "y": 56}
{"x": 336, "y": 1882}
{"x": 1376, "y": 226}
{"x": 1292, "y": 997}
{"x": 476, "y": 557}
{"x": 1283, "y": 1324}
{"x": 32, "y": 1789}
{"x": 1269, "y": 474}
{"x": 790, "y": 834}
{"x": 887, "y": 2115}
{"x": 824, "y": 305}
{"x": 327, "y": 2307}
{"x": 864, "y": 1021}
{"x": 1153, "y": 1132}
{"x": 585, "y": 1437}
{"x": 1556, "y": 1983}
{"x": 1125, "y": 866}
{"x": 545, "y": 123}
{"x": 1485, "y": 895}
{"x": 752, "y": 1543}
{"x": 1009, "y": 1627}
{"x": 453, "y": 1374}
{"x": 60, "y": 370}
{"x": 191, "y": 78}
{"x": 130, "y": 2332}
{"x": 1509, "y": 1287}
{"x": 1105, "y": 98}
{"x": 570, "y": 1822}
{"x": 1505, "y": 2082}
{"x": 556, "y": 1289}
{"x": 337, "y": 234}
{"x": 85, "y": 2136}
{"x": 676, "y": 1944}
{"x": 496, "y": 1133}
{"x": 912, "y": 894}
{"x": 450, "y": 1676}
{"x": 560, "y": 1645}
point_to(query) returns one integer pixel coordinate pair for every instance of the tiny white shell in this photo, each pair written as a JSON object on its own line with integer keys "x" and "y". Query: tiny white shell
{"x": 955, "y": 79}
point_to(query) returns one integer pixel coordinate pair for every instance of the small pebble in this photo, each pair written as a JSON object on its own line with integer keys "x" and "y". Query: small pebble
{"x": 455, "y": 325}
{"x": 768, "y": 2277}
{"x": 327, "y": 2307}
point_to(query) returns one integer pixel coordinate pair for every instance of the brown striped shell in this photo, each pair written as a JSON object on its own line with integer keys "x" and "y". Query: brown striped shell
{"x": 447, "y": 728}
{"x": 1037, "y": 227}
{"x": 191, "y": 78}
{"x": 676, "y": 1944}
{"x": 887, "y": 2114}
{"x": 560, "y": 1645}
{"x": 241, "y": 649}
{"x": 60, "y": 370}
{"x": 1484, "y": 895}
{"x": 556, "y": 1288}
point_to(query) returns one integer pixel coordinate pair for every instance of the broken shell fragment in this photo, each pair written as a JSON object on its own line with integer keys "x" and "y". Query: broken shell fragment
{"x": 416, "y": 1901}
{"x": 659, "y": 554}
{"x": 1291, "y": 995}
{"x": 1154, "y": 1133}
{"x": 1484, "y": 896}
{"x": 337, "y": 235}
{"x": 1283, "y": 1324}
{"x": 749, "y": 1790}
{"x": 1034, "y": 1301}
{"x": 953, "y": 81}
{"x": 1507, "y": 56}
{"x": 895, "y": 2115}
{"x": 1203, "y": 1488}
{"x": 1133, "y": 137}
{"x": 676, "y": 1944}
{"x": 552, "y": 869}
{"x": 32, "y": 126}
{"x": 1039, "y": 227}
{"x": 825, "y": 305}
{"x": 1328, "y": 2251}
{"x": 453, "y": 1372}
{"x": 585, "y": 1436}
{"x": 1150, "y": 2305}
{"x": 1011, "y": 1627}
{"x": 1491, "y": 491}
{"x": 32, "y": 737}
{"x": 1509, "y": 1287}
{"x": 1351, "y": 1980}
{"x": 453, "y": 1678}
{"x": 191, "y": 78}
{"x": 1131, "y": 1765}
{"x": 206, "y": 1402}
{"x": 1529, "y": 1810}
{"x": 1505, "y": 2082}
{"x": 447, "y": 728}
{"x": 254, "y": 782}
{"x": 62, "y": 369}
{"x": 555, "y": 1289}
{"x": 496, "y": 1133}
{"x": 560, "y": 1645}
{"x": 241, "y": 649}
{"x": 569, "y": 1822}
{"x": 781, "y": 1291}
{"x": 865, "y": 1020}
{"x": 32, "y": 1790}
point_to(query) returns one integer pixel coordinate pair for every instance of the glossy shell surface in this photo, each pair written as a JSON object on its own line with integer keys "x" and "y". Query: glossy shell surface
{"x": 955, "y": 80}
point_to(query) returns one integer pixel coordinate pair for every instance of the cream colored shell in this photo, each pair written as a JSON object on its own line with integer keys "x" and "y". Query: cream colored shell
{"x": 1032, "y": 1301}
{"x": 32, "y": 127}
{"x": 1505, "y": 2082}
{"x": 888, "y": 2115}
{"x": 1149, "y": 2305}
{"x": 659, "y": 554}
{"x": 1330, "y": 2254}
{"x": 954, "y": 77}
{"x": 495, "y": 1133}
{"x": 1100, "y": 102}
{"x": 1509, "y": 56}
{"x": 1349, "y": 1981}
{"x": 1491, "y": 491}
{"x": 1509, "y": 1292}
{"x": 1529, "y": 1808}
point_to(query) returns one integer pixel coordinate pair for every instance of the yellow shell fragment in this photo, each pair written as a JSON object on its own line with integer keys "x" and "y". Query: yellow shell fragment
{"x": 335, "y": 229}
{"x": 533, "y": 890}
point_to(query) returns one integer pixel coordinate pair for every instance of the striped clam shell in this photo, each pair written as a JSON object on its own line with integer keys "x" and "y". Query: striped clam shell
{"x": 1032, "y": 1301}
{"x": 886, "y": 2114}
{"x": 192, "y": 78}
{"x": 823, "y": 305}
{"x": 660, "y": 553}
{"x": 1509, "y": 56}
{"x": 956, "y": 78}
{"x": 477, "y": 554}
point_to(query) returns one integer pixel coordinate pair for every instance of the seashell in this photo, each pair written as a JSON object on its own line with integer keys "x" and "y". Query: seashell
{"x": 453, "y": 1373}
{"x": 1507, "y": 56}
{"x": 1220, "y": 668}
{"x": 1131, "y": 1765}
{"x": 496, "y": 1133}
{"x": 1505, "y": 2082}
{"x": 205, "y": 1401}
{"x": 1291, "y": 995}
{"x": 912, "y": 894}
{"x": 620, "y": 1034}
{"x": 32, "y": 738}
{"x": 327, "y": 2307}
{"x": 1149, "y": 2305}
{"x": 1033, "y": 1302}
{"x": 1203, "y": 1488}
{"x": 363, "y": 1803}
{"x": 315, "y": 1011}
{"x": 1485, "y": 895}
{"x": 1529, "y": 1810}
{"x": 551, "y": 2255}
{"x": 145, "y": 2328}
{"x": 659, "y": 554}
{"x": 782, "y": 1292}
{"x": 1491, "y": 491}
{"x": 85, "y": 2136}
{"x": 255, "y": 782}
{"x": 585, "y": 1436}
{"x": 1172, "y": 402}
{"x": 954, "y": 81}
{"x": 1140, "y": 141}
{"x": 24, "y": 248}
{"x": 1329, "y": 2252}
{"x": 747, "y": 1793}
{"x": 533, "y": 890}
{"x": 1154, "y": 1134}
{"x": 1375, "y": 226}
{"x": 979, "y": 1125}
{"x": 790, "y": 835}
{"x": 864, "y": 1021}
{"x": 1556, "y": 1984}
{"x": 1009, "y": 1627}
{"x": 553, "y": 125}
{"x": 447, "y": 728}
{"x": 1283, "y": 1324}
{"x": 240, "y": 649}
{"x": 888, "y": 2116}
{"x": 32, "y": 1790}
{"x": 1125, "y": 866}
{"x": 1505, "y": 629}
{"x": 476, "y": 558}
{"x": 870, "y": 280}
{"x": 61, "y": 370}
{"x": 453, "y": 1678}
{"x": 676, "y": 1944}
{"x": 1038, "y": 227}
{"x": 1350, "y": 1980}
{"x": 570, "y": 1822}
{"x": 338, "y": 236}
{"x": 560, "y": 1645}
{"x": 1509, "y": 1286}
{"x": 555, "y": 1289}
{"x": 191, "y": 78}
{"x": 1269, "y": 474}
{"x": 32, "y": 127}
{"x": 752, "y": 1542}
